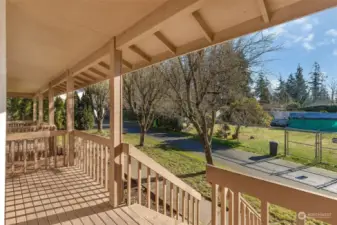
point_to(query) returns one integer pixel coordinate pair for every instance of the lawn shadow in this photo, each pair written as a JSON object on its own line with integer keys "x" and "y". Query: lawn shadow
{"x": 192, "y": 174}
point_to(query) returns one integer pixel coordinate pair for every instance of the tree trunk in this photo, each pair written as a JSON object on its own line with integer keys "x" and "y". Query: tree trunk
{"x": 207, "y": 148}
{"x": 237, "y": 132}
{"x": 142, "y": 136}
{"x": 99, "y": 125}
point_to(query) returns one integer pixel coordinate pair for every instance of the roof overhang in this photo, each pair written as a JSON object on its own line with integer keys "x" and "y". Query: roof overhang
{"x": 47, "y": 40}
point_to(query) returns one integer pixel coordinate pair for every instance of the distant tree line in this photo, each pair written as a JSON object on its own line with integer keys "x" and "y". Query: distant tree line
{"x": 296, "y": 92}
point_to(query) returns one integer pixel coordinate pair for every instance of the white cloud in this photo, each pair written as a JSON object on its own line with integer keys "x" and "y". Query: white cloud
{"x": 309, "y": 38}
{"x": 334, "y": 52}
{"x": 307, "y": 27}
{"x": 308, "y": 46}
{"x": 315, "y": 21}
{"x": 301, "y": 20}
{"x": 331, "y": 32}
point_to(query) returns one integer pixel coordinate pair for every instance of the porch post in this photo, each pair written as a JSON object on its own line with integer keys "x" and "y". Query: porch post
{"x": 40, "y": 108}
{"x": 51, "y": 105}
{"x": 115, "y": 107}
{"x": 70, "y": 118}
{"x": 3, "y": 92}
{"x": 34, "y": 109}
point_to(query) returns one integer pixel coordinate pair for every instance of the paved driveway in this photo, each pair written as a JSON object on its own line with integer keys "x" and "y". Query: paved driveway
{"x": 302, "y": 176}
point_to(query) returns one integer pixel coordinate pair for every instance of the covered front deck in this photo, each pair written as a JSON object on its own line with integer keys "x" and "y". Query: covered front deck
{"x": 48, "y": 48}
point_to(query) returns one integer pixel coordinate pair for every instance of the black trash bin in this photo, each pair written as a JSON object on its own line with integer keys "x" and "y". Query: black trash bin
{"x": 273, "y": 145}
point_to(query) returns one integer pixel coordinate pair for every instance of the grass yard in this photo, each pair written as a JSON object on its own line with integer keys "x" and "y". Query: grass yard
{"x": 191, "y": 169}
{"x": 301, "y": 152}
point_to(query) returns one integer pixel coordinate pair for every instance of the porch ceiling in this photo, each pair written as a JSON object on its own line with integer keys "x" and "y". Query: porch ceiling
{"x": 47, "y": 38}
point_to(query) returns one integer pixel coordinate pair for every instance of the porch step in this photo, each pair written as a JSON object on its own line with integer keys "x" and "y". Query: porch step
{"x": 145, "y": 216}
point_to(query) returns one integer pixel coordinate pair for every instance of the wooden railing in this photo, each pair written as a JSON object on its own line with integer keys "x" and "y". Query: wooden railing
{"x": 35, "y": 150}
{"x": 92, "y": 156}
{"x": 22, "y": 123}
{"x": 30, "y": 128}
{"x": 182, "y": 200}
{"x": 232, "y": 185}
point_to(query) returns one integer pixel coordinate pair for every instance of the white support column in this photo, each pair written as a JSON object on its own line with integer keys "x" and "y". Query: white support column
{"x": 3, "y": 92}
{"x": 51, "y": 105}
{"x": 116, "y": 165}
{"x": 40, "y": 108}
{"x": 70, "y": 118}
{"x": 34, "y": 109}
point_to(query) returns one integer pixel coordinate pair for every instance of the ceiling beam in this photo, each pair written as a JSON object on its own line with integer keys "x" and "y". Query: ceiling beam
{"x": 103, "y": 64}
{"x": 153, "y": 21}
{"x": 127, "y": 64}
{"x": 166, "y": 42}
{"x": 264, "y": 10}
{"x": 20, "y": 95}
{"x": 99, "y": 73}
{"x": 204, "y": 28}
{"x": 81, "y": 80}
{"x": 140, "y": 52}
{"x": 84, "y": 74}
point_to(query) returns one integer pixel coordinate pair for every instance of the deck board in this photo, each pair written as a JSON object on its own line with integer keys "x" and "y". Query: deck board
{"x": 67, "y": 196}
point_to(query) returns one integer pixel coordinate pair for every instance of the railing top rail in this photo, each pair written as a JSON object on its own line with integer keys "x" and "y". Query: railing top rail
{"x": 33, "y": 135}
{"x": 92, "y": 137}
{"x": 153, "y": 165}
{"x": 292, "y": 198}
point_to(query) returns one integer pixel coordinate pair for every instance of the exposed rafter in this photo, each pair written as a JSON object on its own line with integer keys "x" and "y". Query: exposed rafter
{"x": 151, "y": 23}
{"x": 84, "y": 74}
{"x": 264, "y": 10}
{"x": 99, "y": 73}
{"x": 20, "y": 94}
{"x": 166, "y": 42}
{"x": 127, "y": 64}
{"x": 104, "y": 65}
{"x": 203, "y": 26}
{"x": 140, "y": 52}
{"x": 81, "y": 80}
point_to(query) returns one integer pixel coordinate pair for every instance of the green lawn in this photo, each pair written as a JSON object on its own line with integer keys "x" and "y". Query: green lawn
{"x": 301, "y": 153}
{"x": 191, "y": 169}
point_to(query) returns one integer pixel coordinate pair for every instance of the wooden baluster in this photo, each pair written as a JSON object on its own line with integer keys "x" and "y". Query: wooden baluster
{"x": 94, "y": 145}
{"x": 237, "y": 197}
{"x": 242, "y": 212}
{"x": 157, "y": 192}
{"x": 251, "y": 221}
{"x": 148, "y": 188}
{"x": 247, "y": 215}
{"x": 177, "y": 203}
{"x": 183, "y": 206}
{"x": 90, "y": 158}
{"x": 54, "y": 152}
{"x": 24, "y": 156}
{"x": 171, "y": 199}
{"x": 139, "y": 183}
{"x": 264, "y": 212}
{"x": 106, "y": 168}
{"x": 129, "y": 173}
{"x": 36, "y": 149}
{"x": 65, "y": 152}
{"x": 215, "y": 188}
{"x": 46, "y": 149}
{"x": 193, "y": 211}
{"x": 164, "y": 195}
{"x": 188, "y": 209}
{"x": 12, "y": 156}
{"x": 231, "y": 208}
{"x": 198, "y": 212}
{"x": 223, "y": 201}
{"x": 85, "y": 151}
{"x": 102, "y": 165}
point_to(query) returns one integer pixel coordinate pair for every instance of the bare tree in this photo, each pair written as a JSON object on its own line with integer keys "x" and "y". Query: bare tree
{"x": 99, "y": 97}
{"x": 204, "y": 82}
{"x": 144, "y": 91}
{"x": 333, "y": 89}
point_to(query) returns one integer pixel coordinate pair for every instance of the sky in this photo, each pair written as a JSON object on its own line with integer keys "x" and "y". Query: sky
{"x": 305, "y": 40}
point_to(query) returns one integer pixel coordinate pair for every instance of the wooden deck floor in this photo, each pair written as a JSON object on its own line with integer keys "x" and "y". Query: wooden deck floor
{"x": 67, "y": 196}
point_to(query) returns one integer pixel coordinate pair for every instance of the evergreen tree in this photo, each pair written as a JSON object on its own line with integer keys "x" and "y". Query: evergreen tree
{"x": 262, "y": 89}
{"x": 291, "y": 86}
{"x": 281, "y": 94}
{"x": 316, "y": 82}
{"x": 84, "y": 115}
{"x": 300, "y": 91}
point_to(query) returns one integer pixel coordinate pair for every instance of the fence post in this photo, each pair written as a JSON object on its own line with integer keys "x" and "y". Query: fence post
{"x": 286, "y": 143}
{"x": 320, "y": 147}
